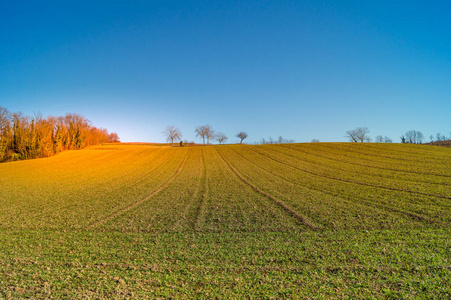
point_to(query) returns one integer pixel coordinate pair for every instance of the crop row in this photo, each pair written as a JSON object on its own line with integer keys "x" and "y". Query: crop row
{"x": 229, "y": 188}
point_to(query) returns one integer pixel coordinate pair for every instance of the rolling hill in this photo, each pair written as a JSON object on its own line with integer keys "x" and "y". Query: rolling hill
{"x": 284, "y": 221}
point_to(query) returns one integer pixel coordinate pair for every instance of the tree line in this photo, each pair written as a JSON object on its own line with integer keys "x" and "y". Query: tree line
{"x": 279, "y": 140}
{"x": 207, "y": 134}
{"x": 361, "y": 134}
{"x": 25, "y": 137}
{"x": 204, "y": 132}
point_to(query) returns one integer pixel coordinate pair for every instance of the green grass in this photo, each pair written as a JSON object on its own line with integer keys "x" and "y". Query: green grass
{"x": 318, "y": 220}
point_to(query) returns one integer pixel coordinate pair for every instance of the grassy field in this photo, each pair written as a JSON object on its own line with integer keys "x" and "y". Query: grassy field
{"x": 321, "y": 220}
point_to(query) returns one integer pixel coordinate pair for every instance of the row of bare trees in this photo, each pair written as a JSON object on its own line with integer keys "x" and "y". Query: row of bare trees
{"x": 24, "y": 137}
{"x": 412, "y": 137}
{"x": 360, "y": 134}
{"x": 279, "y": 140}
{"x": 204, "y": 132}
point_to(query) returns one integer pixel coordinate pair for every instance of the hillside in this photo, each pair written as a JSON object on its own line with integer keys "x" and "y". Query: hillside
{"x": 446, "y": 143}
{"x": 332, "y": 219}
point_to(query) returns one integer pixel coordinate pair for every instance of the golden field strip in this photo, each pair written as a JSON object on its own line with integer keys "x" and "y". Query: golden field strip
{"x": 248, "y": 195}
{"x": 230, "y": 188}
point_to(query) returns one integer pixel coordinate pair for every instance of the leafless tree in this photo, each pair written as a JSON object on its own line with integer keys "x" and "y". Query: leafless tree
{"x": 360, "y": 134}
{"x": 172, "y": 134}
{"x": 201, "y": 132}
{"x": 315, "y": 141}
{"x": 383, "y": 139}
{"x": 280, "y": 140}
{"x": 387, "y": 140}
{"x": 414, "y": 137}
{"x": 210, "y": 133}
{"x": 221, "y": 137}
{"x": 241, "y": 135}
{"x": 5, "y": 119}
{"x": 440, "y": 137}
{"x": 403, "y": 139}
{"x": 205, "y": 132}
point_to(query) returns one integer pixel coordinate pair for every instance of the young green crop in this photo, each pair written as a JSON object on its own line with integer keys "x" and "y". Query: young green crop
{"x": 320, "y": 220}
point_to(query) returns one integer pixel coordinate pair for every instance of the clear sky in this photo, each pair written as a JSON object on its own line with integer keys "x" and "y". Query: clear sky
{"x": 300, "y": 69}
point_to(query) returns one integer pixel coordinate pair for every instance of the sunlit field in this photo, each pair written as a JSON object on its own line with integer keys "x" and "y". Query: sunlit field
{"x": 313, "y": 220}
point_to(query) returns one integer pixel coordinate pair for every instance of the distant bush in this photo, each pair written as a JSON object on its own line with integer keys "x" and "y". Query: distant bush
{"x": 441, "y": 143}
{"x": 14, "y": 156}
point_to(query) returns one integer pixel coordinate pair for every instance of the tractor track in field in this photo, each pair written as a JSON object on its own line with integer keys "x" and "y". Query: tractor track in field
{"x": 363, "y": 165}
{"x": 302, "y": 219}
{"x": 366, "y": 158}
{"x": 372, "y": 154}
{"x": 327, "y": 168}
{"x": 363, "y": 201}
{"x": 194, "y": 222}
{"x": 123, "y": 175}
{"x": 352, "y": 181}
{"x": 200, "y": 188}
{"x": 124, "y": 210}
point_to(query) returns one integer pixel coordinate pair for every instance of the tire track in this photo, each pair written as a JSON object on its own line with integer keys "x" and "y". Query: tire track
{"x": 351, "y": 181}
{"x": 122, "y": 211}
{"x": 367, "y": 158}
{"x": 194, "y": 222}
{"x": 371, "y": 153}
{"x": 363, "y": 165}
{"x": 200, "y": 188}
{"x": 410, "y": 214}
{"x": 63, "y": 207}
{"x": 302, "y": 219}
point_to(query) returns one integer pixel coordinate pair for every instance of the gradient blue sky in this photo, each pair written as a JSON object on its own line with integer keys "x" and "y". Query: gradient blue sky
{"x": 300, "y": 69}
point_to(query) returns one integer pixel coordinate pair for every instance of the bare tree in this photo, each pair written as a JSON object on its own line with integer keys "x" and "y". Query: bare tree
{"x": 280, "y": 140}
{"x": 440, "y": 137}
{"x": 201, "y": 132}
{"x": 5, "y": 119}
{"x": 241, "y": 135}
{"x": 383, "y": 139}
{"x": 205, "y": 131}
{"x": 221, "y": 137}
{"x": 209, "y": 133}
{"x": 414, "y": 137}
{"x": 315, "y": 141}
{"x": 360, "y": 134}
{"x": 403, "y": 139}
{"x": 172, "y": 134}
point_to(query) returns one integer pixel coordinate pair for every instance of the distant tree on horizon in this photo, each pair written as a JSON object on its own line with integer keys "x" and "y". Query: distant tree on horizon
{"x": 172, "y": 134}
{"x": 360, "y": 134}
{"x": 221, "y": 137}
{"x": 414, "y": 137}
{"x": 205, "y": 132}
{"x": 382, "y": 139}
{"x": 242, "y": 136}
{"x": 403, "y": 139}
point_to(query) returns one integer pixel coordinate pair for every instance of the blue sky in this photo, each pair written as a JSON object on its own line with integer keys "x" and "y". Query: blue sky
{"x": 300, "y": 69}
